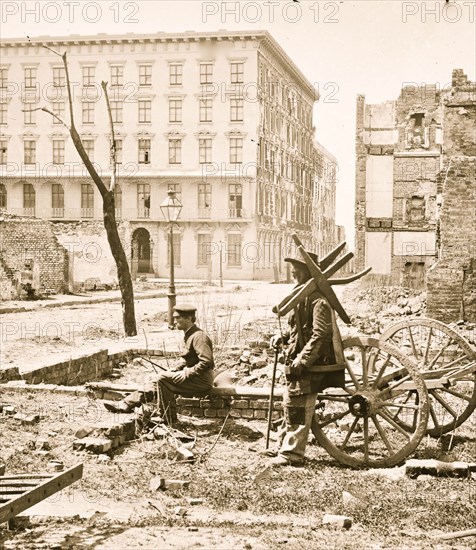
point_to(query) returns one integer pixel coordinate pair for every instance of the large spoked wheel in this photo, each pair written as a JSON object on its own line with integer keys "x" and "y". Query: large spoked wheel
{"x": 447, "y": 363}
{"x": 357, "y": 424}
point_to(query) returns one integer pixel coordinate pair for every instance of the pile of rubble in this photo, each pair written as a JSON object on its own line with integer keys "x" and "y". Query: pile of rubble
{"x": 382, "y": 305}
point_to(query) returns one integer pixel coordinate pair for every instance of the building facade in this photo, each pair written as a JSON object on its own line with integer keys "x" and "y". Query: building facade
{"x": 224, "y": 119}
{"x": 324, "y": 230}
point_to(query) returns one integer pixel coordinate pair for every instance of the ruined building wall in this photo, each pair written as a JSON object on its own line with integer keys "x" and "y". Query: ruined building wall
{"x": 360, "y": 175}
{"x": 403, "y": 150}
{"x": 89, "y": 251}
{"x": 31, "y": 253}
{"x": 451, "y": 283}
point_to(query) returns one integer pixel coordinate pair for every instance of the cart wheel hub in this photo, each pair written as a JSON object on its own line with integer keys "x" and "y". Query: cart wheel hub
{"x": 360, "y": 405}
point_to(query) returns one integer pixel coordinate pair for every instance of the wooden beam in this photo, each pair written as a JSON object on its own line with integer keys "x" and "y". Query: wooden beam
{"x": 321, "y": 282}
{"x": 327, "y": 260}
{"x": 43, "y": 490}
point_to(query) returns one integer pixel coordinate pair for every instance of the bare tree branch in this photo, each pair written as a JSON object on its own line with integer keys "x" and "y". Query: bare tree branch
{"x": 51, "y": 50}
{"x": 70, "y": 95}
{"x": 49, "y": 112}
{"x": 113, "y": 157}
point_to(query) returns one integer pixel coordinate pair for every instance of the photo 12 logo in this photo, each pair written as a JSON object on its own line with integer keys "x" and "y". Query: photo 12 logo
{"x": 448, "y": 11}
{"x": 70, "y": 12}
{"x": 270, "y": 11}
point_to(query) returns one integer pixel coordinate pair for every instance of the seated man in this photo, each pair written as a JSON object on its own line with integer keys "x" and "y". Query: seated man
{"x": 195, "y": 379}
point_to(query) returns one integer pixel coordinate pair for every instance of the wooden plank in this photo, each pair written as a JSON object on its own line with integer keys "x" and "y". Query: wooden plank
{"x": 25, "y": 477}
{"x": 45, "y": 489}
{"x": 457, "y": 534}
{"x": 430, "y": 385}
{"x": 17, "y": 483}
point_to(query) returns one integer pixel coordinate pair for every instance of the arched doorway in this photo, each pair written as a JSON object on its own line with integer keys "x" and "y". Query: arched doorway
{"x": 141, "y": 251}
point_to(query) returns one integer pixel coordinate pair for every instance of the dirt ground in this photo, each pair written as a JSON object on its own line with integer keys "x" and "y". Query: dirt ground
{"x": 233, "y": 500}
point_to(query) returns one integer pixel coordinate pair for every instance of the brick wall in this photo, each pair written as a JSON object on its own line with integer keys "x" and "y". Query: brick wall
{"x": 31, "y": 240}
{"x": 360, "y": 185}
{"x": 451, "y": 282}
{"x": 238, "y": 402}
{"x": 8, "y": 283}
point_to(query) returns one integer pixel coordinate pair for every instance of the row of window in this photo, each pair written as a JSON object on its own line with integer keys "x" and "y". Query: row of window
{"x": 205, "y": 249}
{"x": 176, "y": 75}
{"x": 144, "y": 150}
{"x": 286, "y": 95}
{"x": 205, "y": 111}
{"x": 204, "y": 204}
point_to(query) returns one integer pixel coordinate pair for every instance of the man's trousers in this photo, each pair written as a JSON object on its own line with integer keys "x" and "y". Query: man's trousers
{"x": 165, "y": 388}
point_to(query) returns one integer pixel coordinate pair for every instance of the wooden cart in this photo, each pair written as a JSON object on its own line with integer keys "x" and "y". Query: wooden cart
{"x": 418, "y": 378}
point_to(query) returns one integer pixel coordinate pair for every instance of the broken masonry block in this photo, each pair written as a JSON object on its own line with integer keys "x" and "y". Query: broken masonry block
{"x": 339, "y": 521}
{"x": 55, "y": 466}
{"x": 95, "y": 445}
{"x": 27, "y": 419}
{"x": 82, "y": 432}
{"x": 174, "y": 484}
{"x": 42, "y": 444}
{"x": 195, "y": 501}
{"x": 182, "y": 454}
{"x": 156, "y": 483}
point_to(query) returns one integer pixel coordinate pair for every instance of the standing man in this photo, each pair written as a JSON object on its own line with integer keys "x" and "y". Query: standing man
{"x": 312, "y": 326}
{"x": 194, "y": 379}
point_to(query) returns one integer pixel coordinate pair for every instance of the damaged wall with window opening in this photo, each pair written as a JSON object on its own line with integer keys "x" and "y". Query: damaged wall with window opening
{"x": 403, "y": 151}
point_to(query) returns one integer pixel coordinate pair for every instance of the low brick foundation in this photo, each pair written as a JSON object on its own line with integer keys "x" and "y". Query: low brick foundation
{"x": 236, "y": 401}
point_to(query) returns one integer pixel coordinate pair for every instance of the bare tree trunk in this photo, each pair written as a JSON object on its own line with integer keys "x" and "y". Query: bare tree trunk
{"x": 123, "y": 272}
{"x": 107, "y": 194}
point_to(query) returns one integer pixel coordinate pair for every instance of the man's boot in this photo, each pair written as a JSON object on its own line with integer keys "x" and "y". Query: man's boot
{"x": 117, "y": 406}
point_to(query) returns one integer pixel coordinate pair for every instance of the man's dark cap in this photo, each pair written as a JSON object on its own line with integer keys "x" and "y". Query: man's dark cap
{"x": 187, "y": 309}
{"x": 299, "y": 261}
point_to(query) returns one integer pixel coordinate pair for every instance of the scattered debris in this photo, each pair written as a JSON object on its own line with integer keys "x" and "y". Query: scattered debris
{"x": 55, "y": 466}
{"x": 415, "y": 468}
{"x": 195, "y": 501}
{"x": 338, "y": 521}
{"x": 182, "y": 454}
{"x": 348, "y": 499}
{"x": 27, "y": 419}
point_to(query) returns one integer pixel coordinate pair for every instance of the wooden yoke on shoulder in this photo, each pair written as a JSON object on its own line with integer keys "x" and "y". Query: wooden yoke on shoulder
{"x": 320, "y": 280}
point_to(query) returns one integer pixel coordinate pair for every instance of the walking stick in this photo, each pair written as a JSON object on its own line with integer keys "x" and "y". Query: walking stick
{"x": 271, "y": 397}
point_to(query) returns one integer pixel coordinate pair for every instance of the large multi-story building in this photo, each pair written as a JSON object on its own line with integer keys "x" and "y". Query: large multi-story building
{"x": 324, "y": 229}
{"x": 222, "y": 118}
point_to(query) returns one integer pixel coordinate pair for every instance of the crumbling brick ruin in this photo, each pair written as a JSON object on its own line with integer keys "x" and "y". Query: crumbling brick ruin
{"x": 30, "y": 254}
{"x": 415, "y": 193}
{"x": 451, "y": 282}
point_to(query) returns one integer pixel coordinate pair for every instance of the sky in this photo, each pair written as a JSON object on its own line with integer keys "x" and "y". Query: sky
{"x": 344, "y": 48}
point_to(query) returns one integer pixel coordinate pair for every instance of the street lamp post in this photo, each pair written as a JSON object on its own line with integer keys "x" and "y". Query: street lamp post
{"x": 171, "y": 208}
